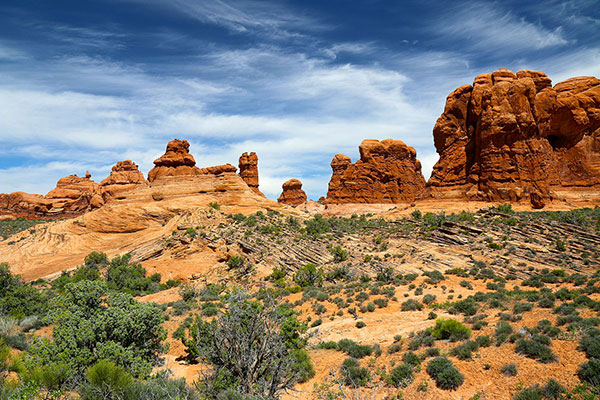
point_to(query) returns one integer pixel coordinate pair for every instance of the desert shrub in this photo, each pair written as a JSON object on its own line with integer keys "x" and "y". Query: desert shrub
{"x": 444, "y": 373}
{"x": 553, "y": 390}
{"x": 466, "y": 307}
{"x": 338, "y": 254}
{"x": 432, "y": 352}
{"x": 308, "y": 276}
{"x": 434, "y": 277}
{"x": 19, "y": 299}
{"x": 589, "y": 372}
{"x": 450, "y": 329}
{"x": 401, "y": 376}
{"x": 124, "y": 276}
{"x": 503, "y": 331}
{"x": 509, "y": 369}
{"x": 236, "y": 263}
{"x": 93, "y": 324}
{"x": 429, "y": 298}
{"x": 354, "y": 375}
{"x": 250, "y": 347}
{"x": 536, "y": 350}
{"x": 360, "y": 324}
{"x": 483, "y": 341}
{"x": 412, "y": 305}
{"x": 411, "y": 359}
{"x": 210, "y": 309}
{"x": 188, "y": 291}
{"x": 160, "y": 388}
{"x": 531, "y": 393}
{"x": 354, "y": 349}
{"x": 106, "y": 380}
{"x": 591, "y": 346}
{"x": 465, "y": 350}
{"x": 396, "y": 347}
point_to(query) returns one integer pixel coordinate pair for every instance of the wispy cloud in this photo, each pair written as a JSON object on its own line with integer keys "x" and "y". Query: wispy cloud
{"x": 488, "y": 27}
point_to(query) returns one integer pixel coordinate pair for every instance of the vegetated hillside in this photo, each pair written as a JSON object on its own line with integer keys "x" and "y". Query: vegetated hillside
{"x": 487, "y": 305}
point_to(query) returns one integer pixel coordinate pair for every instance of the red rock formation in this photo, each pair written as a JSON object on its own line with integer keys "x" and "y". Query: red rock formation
{"x": 387, "y": 172}
{"x": 248, "y": 165}
{"x": 125, "y": 175}
{"x": 177, "y": 161}
{"x": 292, "y": 193}
{"x": 514, "y": 137}
{"x": 75, "y": 195}
{"x": 20, "y": 204}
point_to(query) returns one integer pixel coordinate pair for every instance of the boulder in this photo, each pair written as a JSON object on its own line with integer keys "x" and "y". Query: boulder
{"x": 292, "y": 193}
{"x": 388, "y": 172}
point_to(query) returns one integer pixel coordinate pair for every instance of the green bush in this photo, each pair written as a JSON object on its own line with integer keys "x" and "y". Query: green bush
{"x": 354, "y": 375}
{"x": 444, "y": 373}
{"x": 354, "y": 349}
{"x": 411, "y": 359}
{"x": 589, "y": 372}
{"x": 105, "y": 381}
{"x": 401, "y": 376}
{"x": 92, "y": 323}
{"x": 531, "y": 393}
{"x": 309, "y": 275}
{"x": 127, "y": 277}
{"x": 450, "y": 329}
{"x": 465, "y": 350}
{"x": 412, "y": 305}
{"x": 536, "y": 350}
{"x": 339, "y": 254}
{"x": 509, "y": 369}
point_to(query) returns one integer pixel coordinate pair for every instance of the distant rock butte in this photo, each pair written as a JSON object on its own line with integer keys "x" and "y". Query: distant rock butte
{"x": 292, "y": 193}
{"x": 177, "y": 161}
{"x": 514, "y": 137}
{"x": 124, "y": 176}
{"x": 387, "y": 172}
{"x": 248, "y": 165}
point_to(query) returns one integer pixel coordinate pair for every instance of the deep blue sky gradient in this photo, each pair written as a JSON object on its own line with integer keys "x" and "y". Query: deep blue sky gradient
{"x": 84, "y": 84}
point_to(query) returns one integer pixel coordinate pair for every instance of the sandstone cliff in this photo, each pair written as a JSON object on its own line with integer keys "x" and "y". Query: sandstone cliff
{"x": 514, "y": 137}
{"x": 387, "y": 172}
{"x": 292, "y": 193}
{"x": 124, "y": 176}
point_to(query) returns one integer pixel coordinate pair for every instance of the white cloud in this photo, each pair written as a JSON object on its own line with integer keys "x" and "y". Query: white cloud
{"x": 486, "y": 27}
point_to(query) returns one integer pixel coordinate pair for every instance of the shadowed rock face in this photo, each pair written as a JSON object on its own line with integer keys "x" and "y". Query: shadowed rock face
{"x": 292, "y": 193}
{"x": 514, "y": 137}
{"x": 248, "y": 165}
{"x": 387, "y": 172}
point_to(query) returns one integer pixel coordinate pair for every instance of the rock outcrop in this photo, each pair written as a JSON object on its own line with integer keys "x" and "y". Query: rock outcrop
{"x": 75, "y": 195}
{"x": 125, "y": 175}
{"x": 514, "y": 137}
{"x": 387, "y": 172}
{"x": 292, "y": 193}
{"x": 248, "y": 165}
{"x": 177, "y": 161}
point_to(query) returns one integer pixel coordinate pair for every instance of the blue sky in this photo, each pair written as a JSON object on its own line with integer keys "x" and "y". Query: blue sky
{"x": 84, "y": 84}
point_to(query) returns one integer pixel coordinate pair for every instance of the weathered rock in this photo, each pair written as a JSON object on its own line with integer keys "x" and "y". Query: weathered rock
{"x": 514, "y": 137}
{"x": 387, "y": 172}
{"x": 25, "y": 205}
{"x": 75, "y": 195}
{"x": 125, "y": 175}
{"x": 248, "y": 165}
{"x": 218, "y": 169}
{"x": 177, "y": 161}
{"x": 292, "y": 193}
